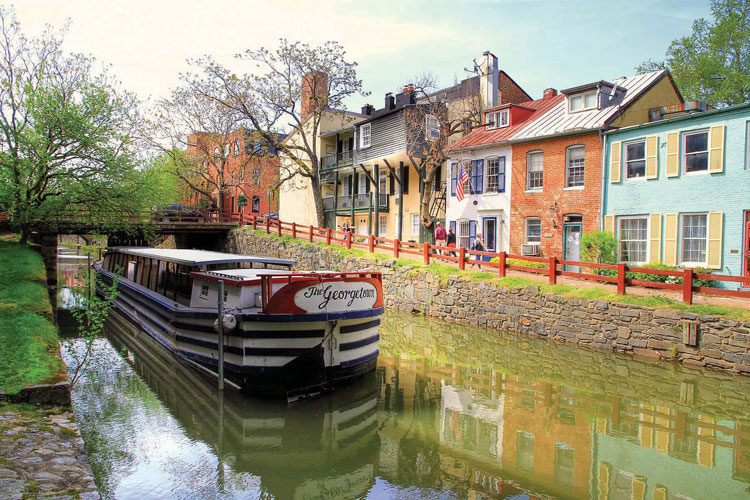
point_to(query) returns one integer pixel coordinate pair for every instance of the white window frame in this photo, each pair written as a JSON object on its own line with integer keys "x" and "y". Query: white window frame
{"x": 685, "y": 263}
{"x": 415, "y": 224}
{"x": 645, "y": 241}
{"x": 204, "y": 292}
{"x": 365, "y": 133}
{"x": 362, "y": 184}
{"x": 490, "y": 175}
{"x": 528, "y": 171}
{"x": 462, "y": 233}
{"x": 345, "y": 189}
{"x": 568, "y": 151}
{"x": 498, "y": 119}
{"x": 627, "y": 160}
{"x": 383, "y": 226}
{"x": 526, "y": 230}
{"x": 582, "y": 96}
{"x": 431, "y": 127}
{"x": 684, "y": 154}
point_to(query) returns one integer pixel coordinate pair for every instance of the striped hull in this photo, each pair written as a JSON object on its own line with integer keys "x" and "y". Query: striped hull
{"x": 270, "y": 354}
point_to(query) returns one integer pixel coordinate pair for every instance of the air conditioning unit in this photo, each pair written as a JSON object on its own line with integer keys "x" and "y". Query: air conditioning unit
{"x": 530, "y": 249}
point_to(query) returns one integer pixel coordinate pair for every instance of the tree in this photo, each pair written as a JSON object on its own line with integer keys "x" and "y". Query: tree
{"x": 203, "y": 143}
{"x": 437, "y": 120}
{"x": 65, "y": 133}
{"x": 712, "y": 64}
{"x": 294, "y": 88}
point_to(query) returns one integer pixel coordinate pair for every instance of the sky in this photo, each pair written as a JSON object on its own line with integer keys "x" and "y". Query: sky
{"x": 540, "y": 44}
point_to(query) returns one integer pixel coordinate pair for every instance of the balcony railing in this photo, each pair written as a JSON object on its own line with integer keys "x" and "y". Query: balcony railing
{"x": 360, "y": 201}
{"x": 333, "y": 160}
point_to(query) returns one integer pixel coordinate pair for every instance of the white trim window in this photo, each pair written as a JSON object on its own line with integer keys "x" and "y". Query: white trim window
{"x": 431, "y": 127}
{"x": 695, "y": 151}
{"x": 365, "y": 135}
{"x": 534, "y": 170}
{"x": 498, "y": 119}
{"x": 533, "y": 230}
{"x": 383, "y": 226}
{"x": 693, "y": 239}
{"x": 415, "y": 224}
{"x": 635, "y": 159}
{"x": 362, "y": 184}
{"x": 346, "y": 186}
{"x": 582, "y": 102}
{"x": 463, "y": 236}
{"x": 633, "y": 239}
{"x": 490, "y": 175}
{"x": 575, "y": 166}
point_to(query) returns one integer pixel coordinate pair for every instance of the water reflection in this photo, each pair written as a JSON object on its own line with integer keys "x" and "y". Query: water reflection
{"x": 452, "y": 412}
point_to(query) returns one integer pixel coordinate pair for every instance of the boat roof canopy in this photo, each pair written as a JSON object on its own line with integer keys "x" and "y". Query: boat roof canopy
{"x": 197, "y": 257}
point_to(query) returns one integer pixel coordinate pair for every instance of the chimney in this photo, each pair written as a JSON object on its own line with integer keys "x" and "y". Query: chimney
{"x": 549, "y": 93}
{"x": 314, "y": 92}
{"x": 367, "y": 109}
{"x": 488, "y": 80}
{"x": 390, "y": 102}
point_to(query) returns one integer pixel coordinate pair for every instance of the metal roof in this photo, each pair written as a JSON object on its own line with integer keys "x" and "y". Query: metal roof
{"x": 197, "y": 257}
{"x": 559, "y": 121}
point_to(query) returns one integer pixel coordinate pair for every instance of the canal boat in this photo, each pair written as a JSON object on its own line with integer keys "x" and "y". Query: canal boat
{"x": 286, "y": 333}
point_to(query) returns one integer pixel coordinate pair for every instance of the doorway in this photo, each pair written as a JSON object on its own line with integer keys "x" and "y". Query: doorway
{"x": 489, "y": 226}
{"x": 572, "y": 228}
{"x": 747, "y": 248}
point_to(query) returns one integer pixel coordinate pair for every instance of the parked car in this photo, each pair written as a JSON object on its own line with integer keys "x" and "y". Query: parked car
{"x": 178, "y": 212}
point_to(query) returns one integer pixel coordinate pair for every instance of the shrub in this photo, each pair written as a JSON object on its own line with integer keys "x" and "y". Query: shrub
{"x": 599, "y": 247}
{"x": 704, "y": 282}
{"x": 659, "y": 278}
{"x": 520, "y": 262}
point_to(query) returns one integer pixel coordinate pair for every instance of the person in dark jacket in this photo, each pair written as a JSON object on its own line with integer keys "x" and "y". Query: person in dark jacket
{"x": 451, "y": 241}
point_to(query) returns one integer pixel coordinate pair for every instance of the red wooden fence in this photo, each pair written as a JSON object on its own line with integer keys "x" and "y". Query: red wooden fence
{"x": 553, "y": 267}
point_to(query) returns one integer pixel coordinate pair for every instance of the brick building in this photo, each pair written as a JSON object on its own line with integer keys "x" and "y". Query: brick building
{"x": 242, "y": 165}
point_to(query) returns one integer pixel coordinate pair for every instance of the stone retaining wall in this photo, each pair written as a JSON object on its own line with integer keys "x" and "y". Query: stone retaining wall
{"x": 647, "y": 332}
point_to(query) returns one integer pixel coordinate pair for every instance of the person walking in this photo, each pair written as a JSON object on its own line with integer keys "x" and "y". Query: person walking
{"x": 440, "y": 236}
{"x": 478, "y": 246}
{"x": 451, "y": 241}
{"x": 345, "y": 228}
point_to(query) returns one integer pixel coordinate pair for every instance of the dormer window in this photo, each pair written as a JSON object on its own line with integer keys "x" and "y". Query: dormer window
{"x": 498, "y": 119}
{"x": 582, "y": 102}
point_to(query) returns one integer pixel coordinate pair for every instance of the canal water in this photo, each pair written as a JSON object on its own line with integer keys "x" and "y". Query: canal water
{"x": 452, "y": 412}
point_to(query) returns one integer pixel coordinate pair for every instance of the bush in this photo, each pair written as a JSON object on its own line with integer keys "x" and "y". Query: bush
{"x": 704, "y": 282}
{"x": 599, "y": 247}
{"x": 659, "y": 278}
{"x": 520, "y": 262}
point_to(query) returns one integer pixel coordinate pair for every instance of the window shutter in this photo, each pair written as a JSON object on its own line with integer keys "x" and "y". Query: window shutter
{"x": 405, "y": 178}
{"x": 501, "y": 174}
{"x": 615, "y": 166}
{"x": 477, "y": 175}
{"x": 670, "y": 239}
{"x": 654, "y": 240}
{"x": 716, "y": 151}
{"x": 715, "y": 232}
{"x": 609, "y": 223}
{"x": 355, "y": 188}
{"x": 652, "y": 157}
{"x": 673, "y": 155}
{"x": 454, "y": 176}
{"x": 472, "y": 232}
{"x": 391, "y": 183}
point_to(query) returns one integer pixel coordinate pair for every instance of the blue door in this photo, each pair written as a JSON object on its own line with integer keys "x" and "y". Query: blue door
{"x": 572, "y": 245}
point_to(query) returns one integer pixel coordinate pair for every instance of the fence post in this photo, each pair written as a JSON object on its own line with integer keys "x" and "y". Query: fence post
{"x": 462, "y": 258}
{"x": 268, "y": 226}
{"x": 501, "y": 264}
{"x": 255, "y": 222}
{"x": 396, "y": 248}
{"x": 621, "y": 278}
{"x": 553, "y": 270}
{"x": 278, "y": 222}
{"x": 311, "y": 233}
{"x": 348, "y": 239}
{"x": 687, "y": 286}
{"x": 426, "y": 253}
{"x": 372, "y": 243}
{"x": 328, "y": 236}
{"x": 294, "y": 230}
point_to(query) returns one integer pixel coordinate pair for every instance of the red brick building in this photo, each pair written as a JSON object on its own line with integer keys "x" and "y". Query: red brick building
{"x": 234, "y": 166}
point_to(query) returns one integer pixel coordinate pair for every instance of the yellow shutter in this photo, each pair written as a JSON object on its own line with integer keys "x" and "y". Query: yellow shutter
{"x": 670, "y": 239}
{"x": 638, "y": 488}
{"x": 715, "y": 232}
{"x": 654, "y": 241}
{"x": 603, "y": 481}
{"x": 652, "y": 157}
{"x": 609, "y": 223}
{"x": 673, "y": 154}
{"x": 716, "y": 152}
{"x": 615, "y": 168}
{"x": 660, "y": 493}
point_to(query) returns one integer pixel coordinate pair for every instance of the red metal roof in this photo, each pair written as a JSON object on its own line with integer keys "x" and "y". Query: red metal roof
{"x": 481, "y": 136}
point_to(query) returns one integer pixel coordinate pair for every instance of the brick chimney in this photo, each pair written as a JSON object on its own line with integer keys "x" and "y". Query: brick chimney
{"x": 390, "y": 102}
{"x": 368, "y": 109}
{"x": 314, "y": 92}
{"x": 549, "y": 93}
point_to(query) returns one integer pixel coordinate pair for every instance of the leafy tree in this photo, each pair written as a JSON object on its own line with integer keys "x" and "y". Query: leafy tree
{"x": 599, "y": 247}
{"x": 712, "y": 64}
{"x": 271, "y": 100}
{"x": 65, "y": 133}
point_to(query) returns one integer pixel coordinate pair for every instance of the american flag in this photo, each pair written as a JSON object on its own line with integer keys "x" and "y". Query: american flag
{"x": 463, "y": 178}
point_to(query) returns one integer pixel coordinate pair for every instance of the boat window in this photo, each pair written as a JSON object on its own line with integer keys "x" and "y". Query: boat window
{"x": 204, "y": 291}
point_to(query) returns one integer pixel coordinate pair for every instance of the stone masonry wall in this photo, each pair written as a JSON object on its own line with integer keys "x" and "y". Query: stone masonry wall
{"x": 608, "y": 326}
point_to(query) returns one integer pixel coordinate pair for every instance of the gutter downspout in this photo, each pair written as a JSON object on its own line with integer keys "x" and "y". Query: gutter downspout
{"x": 603, "y": 139}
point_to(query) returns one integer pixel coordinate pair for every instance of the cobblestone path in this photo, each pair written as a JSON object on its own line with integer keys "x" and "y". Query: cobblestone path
{"x": 42, "y": 456}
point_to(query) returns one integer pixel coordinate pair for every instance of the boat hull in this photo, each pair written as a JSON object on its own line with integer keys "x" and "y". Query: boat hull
{"x": 283, "y": 355}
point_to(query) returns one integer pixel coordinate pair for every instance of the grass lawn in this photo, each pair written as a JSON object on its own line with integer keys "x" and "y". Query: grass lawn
{"x": 29, "y": 349}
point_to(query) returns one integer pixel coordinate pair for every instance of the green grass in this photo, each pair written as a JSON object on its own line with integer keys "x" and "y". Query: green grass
{"x": 29, "y": 350}
{"x": 443, "y": 272}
